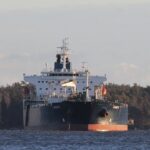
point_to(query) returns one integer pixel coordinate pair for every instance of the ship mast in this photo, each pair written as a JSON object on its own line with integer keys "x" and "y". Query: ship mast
{"x": 64, "y": 53}
{"x": 87, "y": 85}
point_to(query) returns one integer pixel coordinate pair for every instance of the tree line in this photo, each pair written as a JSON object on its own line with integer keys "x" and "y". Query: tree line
{"x": 138, "y": 100}
{"x": 11, "y": 104}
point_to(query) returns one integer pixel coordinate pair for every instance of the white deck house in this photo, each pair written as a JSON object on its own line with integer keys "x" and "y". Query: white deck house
{"x": 49, "y": 82}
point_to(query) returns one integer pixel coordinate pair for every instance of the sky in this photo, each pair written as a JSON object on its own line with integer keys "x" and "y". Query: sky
{"x": 111, "y": 36}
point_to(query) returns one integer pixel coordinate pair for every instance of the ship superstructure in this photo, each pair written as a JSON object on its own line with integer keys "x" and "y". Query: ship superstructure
{"x": 49, "y": 82}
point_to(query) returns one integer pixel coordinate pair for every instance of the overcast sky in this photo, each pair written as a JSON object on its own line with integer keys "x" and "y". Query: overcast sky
{"x": 112, "y": 36}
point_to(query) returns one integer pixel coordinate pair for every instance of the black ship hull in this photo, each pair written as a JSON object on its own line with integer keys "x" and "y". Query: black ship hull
{"x": 70, "y": 115}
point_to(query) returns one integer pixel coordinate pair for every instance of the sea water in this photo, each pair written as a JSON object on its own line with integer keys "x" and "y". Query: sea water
{"x": 56, "y": 140}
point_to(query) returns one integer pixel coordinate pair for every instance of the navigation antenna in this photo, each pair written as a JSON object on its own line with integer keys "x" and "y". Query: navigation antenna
{"x": 64, "y": 47}
{"x": 64, "y": 52}
{"x": 84, "y": 65}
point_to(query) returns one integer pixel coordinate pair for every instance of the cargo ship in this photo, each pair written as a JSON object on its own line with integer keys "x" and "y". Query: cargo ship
{"x": 68, "y": 99}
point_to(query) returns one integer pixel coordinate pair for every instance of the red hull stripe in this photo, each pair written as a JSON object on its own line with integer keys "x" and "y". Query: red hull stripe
{"x": 98, "y": 127}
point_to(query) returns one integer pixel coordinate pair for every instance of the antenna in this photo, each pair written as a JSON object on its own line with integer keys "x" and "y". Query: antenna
{"x": 84, "y": 65}
{"x": 65, "y": 42}
{"x": 46, "y": 66}
{"x": 64, "y": 52}
{"x": 64, "y": 48}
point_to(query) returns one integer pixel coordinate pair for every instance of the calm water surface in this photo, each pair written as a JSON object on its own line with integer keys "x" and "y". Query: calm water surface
{"x": 48, "y": 140}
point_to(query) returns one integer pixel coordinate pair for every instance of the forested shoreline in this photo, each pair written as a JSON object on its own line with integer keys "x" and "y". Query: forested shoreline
{"x": 137, "y": 98}
{"x": 11, "y": 104}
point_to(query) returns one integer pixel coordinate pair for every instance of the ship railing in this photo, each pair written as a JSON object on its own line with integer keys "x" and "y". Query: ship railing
{"x": 58, "y": 96}
{"x": 33, "y": 103}
{"x": 55, "y": 100}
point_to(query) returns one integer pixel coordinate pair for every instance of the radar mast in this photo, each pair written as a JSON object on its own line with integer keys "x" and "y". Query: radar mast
{"x": 64, "y": 54}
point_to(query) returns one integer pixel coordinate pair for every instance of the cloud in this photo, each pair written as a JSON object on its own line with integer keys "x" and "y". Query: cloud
{"x": 12, "y": 61}
{"x": 2, "y": 56}
{"x": 127, "y": 68}
{"x": 8, "y": 80}
{"x": 129, "y": 73}
{"x": 38, "y": 4}
{"x": 14, "y": 56}
{"x": 126, "y": 73}
{"x": 145, "y": 78}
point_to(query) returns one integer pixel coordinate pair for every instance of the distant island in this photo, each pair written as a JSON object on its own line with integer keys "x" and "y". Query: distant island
{"x": 137, "y": 98}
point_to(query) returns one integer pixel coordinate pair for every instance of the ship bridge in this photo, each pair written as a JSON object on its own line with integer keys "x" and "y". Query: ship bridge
{"x": 50, "y": 81}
